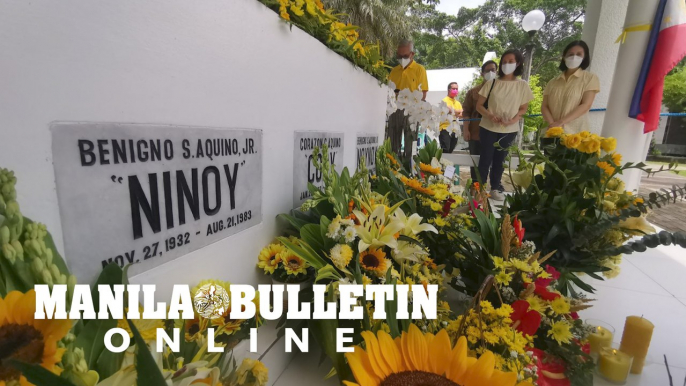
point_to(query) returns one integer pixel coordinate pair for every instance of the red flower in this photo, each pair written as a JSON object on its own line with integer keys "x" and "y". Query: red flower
{"x": 551, "y": 370}
{"x": 519, "y": 229}
{"x": 446, "y": 207}
{"x": 574, "y": 315}
{"x": 475, "y": 205}
{"x": 552, "y": 271}
{"x": 524, "y": 320}
{"x": 542, "y": 290}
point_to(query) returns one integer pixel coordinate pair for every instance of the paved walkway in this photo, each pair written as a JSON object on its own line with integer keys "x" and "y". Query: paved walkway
{"x": 671, "y": 217}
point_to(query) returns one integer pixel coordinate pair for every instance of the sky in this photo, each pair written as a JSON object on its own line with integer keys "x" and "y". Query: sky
{"x": 452, "y": 6}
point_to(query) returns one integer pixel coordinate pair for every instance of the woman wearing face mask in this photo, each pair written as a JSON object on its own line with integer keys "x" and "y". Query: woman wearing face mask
{"x": 444, "y": 137}
{"x": 502, "y": 103}
{"x": 470, "y": 131}
{"x": 568, "y": 97}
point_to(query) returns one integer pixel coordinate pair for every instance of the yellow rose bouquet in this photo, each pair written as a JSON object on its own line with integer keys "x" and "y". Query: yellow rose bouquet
{"x": 570, "y": 199}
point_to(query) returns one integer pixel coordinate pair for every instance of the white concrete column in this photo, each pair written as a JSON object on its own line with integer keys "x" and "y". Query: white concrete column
{"x": 631, "y": 142}
{"x": 602, "y": 24}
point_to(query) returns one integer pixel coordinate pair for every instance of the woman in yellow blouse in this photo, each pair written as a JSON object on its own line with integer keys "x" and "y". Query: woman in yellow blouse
{"x": 568, "y": 97}
{"x": 502, "y": 102}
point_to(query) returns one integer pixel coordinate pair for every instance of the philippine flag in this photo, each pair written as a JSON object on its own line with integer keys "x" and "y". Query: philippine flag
{"x": 666, "y": 48}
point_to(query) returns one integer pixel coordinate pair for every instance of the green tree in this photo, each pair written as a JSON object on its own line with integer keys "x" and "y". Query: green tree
{"x": 674, "y": 96}
{"x": 462, "y": 40}
{"x": 383, "y": 22}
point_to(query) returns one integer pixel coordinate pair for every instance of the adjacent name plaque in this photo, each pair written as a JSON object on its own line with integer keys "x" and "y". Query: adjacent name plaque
{"x": 367, "y": 144}
{"x": 147, "y": 194}
{"x": 304, "y": 171}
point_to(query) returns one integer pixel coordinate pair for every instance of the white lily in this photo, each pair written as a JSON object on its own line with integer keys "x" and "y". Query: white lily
{"x": 407, "y": 251}
{"x": 412, "y": 225}
{"x": 377, "y": 229}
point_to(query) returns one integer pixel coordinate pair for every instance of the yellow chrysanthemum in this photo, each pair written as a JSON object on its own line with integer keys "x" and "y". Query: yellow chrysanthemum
{"x": 585, "y": 134}
{"x": 293, "y": 264}
{"x": 572, "y": 141}
{"x": 554, "y": 132}
{"x": 26, "y": 339}
{"x": 416, "y": 358}
{"x": 269, "y": 258}
{"x": 341, "y": 254}
{"x": 297, "y": 7}
{"x": 560, "y": 306}
{"x": 608, "y": 144}
{"x": 283, "y": 9}
{"x": 374, "y": 261}
{"x": 429, "y": 169}
{"x": 503, "y": 278}
{"x": 416, "y": 185}
{"x": 536, "y": 303}
{"x": 561, "y": 332}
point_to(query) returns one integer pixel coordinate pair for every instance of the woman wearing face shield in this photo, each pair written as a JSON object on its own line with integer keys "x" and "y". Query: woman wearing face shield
{"x": 568, "y": 97}
{"x": 502, "y": 103}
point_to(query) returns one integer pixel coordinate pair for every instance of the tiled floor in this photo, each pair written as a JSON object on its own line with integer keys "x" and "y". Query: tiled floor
{"x": 652, "y": 284}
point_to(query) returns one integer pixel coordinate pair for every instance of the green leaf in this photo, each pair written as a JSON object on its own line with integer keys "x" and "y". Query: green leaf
{"x": 111, "y": 275}
{"x": 110, "y": 362}
{"x": 475, "y": 238}
{"x": 92, "y": 339}
{"x": 146, "y": 368}
{"x": 38, "y": 375}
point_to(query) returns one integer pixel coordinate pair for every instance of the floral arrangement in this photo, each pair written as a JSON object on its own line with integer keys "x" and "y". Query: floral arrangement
{"x": 362, "y": 229}
{"x": 423, "y": 359}
{"x": 283, "y": 265}
{"x": 569, "y": 198}
{"x": 72, "y": 352}
{"x": 325, "y": 25}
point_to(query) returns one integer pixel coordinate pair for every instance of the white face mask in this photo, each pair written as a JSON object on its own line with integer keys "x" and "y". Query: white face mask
{"x": 573, "y": 61}
{"x": 405, "y": 62}
{"x": 509, "y": 68}
{"x": 489, "y": 76}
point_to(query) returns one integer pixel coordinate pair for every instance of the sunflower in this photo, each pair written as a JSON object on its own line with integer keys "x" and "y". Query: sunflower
{"x": 415, "y": 184}
{"x": 293, "y": 264}
{"x": 374, "y": 260}
{"x": 416, "y": 359}
{"x": 28, "y": 340}
{"x": 268, "y": 258}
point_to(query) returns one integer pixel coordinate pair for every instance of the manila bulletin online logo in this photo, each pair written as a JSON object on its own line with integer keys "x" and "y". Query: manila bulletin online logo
{"x": 211, "y": 301}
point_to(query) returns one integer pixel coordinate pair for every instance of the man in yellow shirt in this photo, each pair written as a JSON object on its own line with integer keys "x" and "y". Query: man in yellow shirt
{"x": 444, "y": 137}
{"x": 411, "y": 75}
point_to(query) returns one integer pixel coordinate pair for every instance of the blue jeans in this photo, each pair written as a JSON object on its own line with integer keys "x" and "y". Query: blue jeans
{"x": 492, "y": 158}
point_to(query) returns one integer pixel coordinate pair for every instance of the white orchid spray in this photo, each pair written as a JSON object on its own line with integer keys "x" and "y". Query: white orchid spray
{"x": 423, "y": 115}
